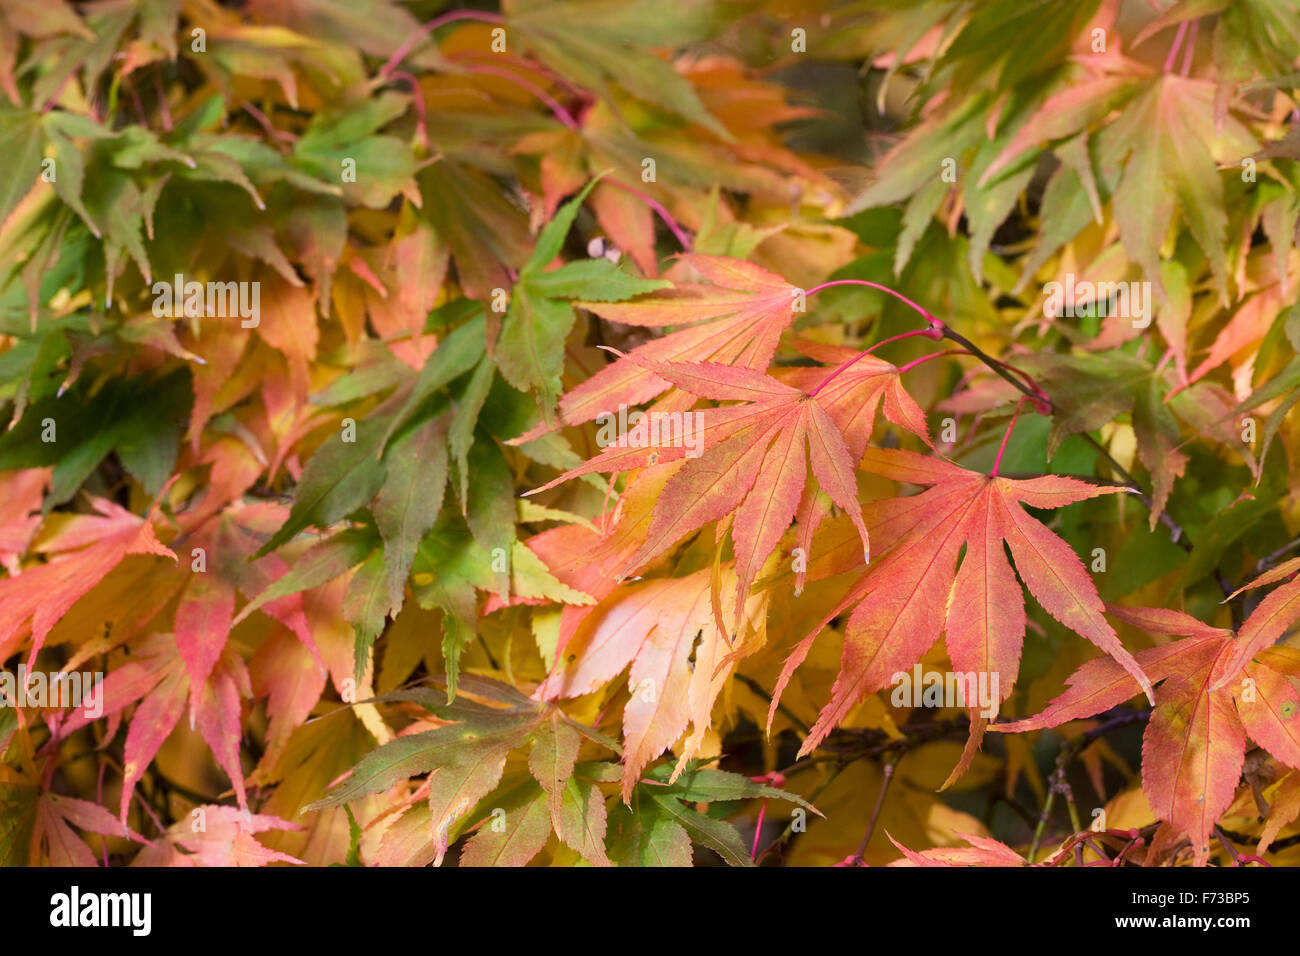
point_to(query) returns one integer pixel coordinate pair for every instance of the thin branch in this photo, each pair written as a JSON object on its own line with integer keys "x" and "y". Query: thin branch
{"x": 1046, "y": 407}
{"x": 887, "y": 772}
{"x": 419, "y": 36}
{"x": 1064, "y": 758}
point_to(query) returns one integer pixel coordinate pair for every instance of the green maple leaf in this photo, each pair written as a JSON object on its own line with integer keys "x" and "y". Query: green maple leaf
{"x": 1168, "y": 146}
{"x": 138, "y": 418}
{"x": 597, "y": 44}
{"x": 467, "y": 758}
{"x": 340, "y": 477}
{"x": 530, "y": 350}
{"x": 658, "y": 827}
{"x": 347, "y": 138}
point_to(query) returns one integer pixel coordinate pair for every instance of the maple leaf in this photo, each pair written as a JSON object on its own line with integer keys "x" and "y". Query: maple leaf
{"x": 594, "y": 42}
{"x": 658, "y": 627}
{"x": 1209, "y": 698}
{"x": 89, "y": 547}
{"x": 656, "y": 827}
{"x": 136, "y": 418}
{"x": 1089, "y": 390}
{"x": 474, "y": 139}
{"x": 530, "y": 349}
{"x": 1168, "y": 142}
{"x": 754, "y": 462}
{"x": 157, "y": 678}
{"x": 467, "y": 757}
{"x": 26, "y": 135}
{"x": 983, "y": 851}
{"x": 737, "y": 320}
{"x": 54, "y": 838}
{"x": 212, "y": 835}
{"x": 350, "y": 133}
{"x": 912, "y": 594}
{"x": 20, "y": 513}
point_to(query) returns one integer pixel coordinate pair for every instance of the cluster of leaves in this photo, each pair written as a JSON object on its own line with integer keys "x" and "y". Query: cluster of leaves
{"x": 424, "y": 587}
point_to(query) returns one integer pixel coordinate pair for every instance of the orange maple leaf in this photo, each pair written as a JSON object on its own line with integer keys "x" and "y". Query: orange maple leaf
{"x": 905, "y": 601}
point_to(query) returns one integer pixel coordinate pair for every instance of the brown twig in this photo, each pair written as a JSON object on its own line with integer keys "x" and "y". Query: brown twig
{"x": 887, "y": 772}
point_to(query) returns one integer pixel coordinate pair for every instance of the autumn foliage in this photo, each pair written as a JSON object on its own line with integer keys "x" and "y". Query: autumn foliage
{"x": 642, "y": 433}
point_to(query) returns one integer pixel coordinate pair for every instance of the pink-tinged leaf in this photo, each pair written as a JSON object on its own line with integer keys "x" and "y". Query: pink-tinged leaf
{"x": 1247, "y": 327}
{"x": 983, "y": 851}
{"x": 898, "y": 621}
{"x": 721, "y": 382}
{"x": 978, "y": 724}
{"x": 913, "y": 469}
{"x": 902, "y": 409}
{"x": 705, "y": 489}
{"x": 1266, "y": 624}
{"x": 911, "y": 857}
{"x": 905, "y": 600}
{"x": 1057, "y": 578}
{"x": 225, "y": 839}
{"x": 654, "y": 625}
{"x": 1269, "y": 708}
{"x": 151, "y": 725}
{"x": 1063, "y": 114}
{"x": 1158, "y": 620}
{"x": 628, "y": 221}
{"x": 608, "y": 640}
{"x": 217, "y": 717}
{"x": 43, "y": 594}
{"x": 573, "y": 554}
{"x": 54, "y": 813}
{"x": 1192, "y": 753}
{"x": 1283, "y": 570}
{"x": 20, "y": 512}
{"x": 203, "y": 622}
{"x": 657, "y": 713}
{"x": 283, "y": 671}
{"x": 771, "y": 503}
{"x": 716, "y": 657}
{"x": 743, "y": 315}
{"x": 1101, "y": 683}
{"x": 1052, "y": 491}
{"x": 986, "y": 614}
{"x": 834, "y": 470}
{"x": 122, "y": 687}
{"x": 640, "y": 447}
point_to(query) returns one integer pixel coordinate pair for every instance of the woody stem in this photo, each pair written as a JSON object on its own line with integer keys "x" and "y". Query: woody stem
{"x": 1001, "y": 368}
{"x": 887, "y": 772}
